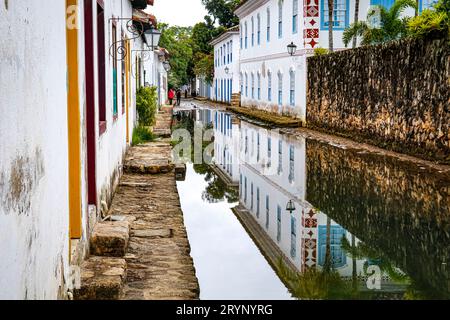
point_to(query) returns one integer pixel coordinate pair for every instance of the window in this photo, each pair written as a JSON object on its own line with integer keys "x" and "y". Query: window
{"x": 251, "y": 195}
{"x": 280, "y": 157}
{"x": 231, "y": 51}
{"x": 424, "y": 4}
{"x": 269, "y": 86}
{"x": 269, "y": 152}
{"x": 245, "y": 190}
{"x": 292, "y": 88}
{"x": 258, "y": 19}
{"x": 253, "y": 32}
{"x": 228, "y": 52}
{"x": 240, "y": 183}
{"x": 338, "y": 256}
{"x": 267, "y": 212}
{"x": 246, "y": 85}
{"x": 385, "y": 3}
{"x": 340, "y": 14}
{"x": 278, "y": 223}
{"x": 258, "y": 147}
{"x": 241, "y": 80}
{"x": 291, "y": 164}
{"x": 268, "y": 25}
{"x": 259, "y": 86}
{"x": 280, "y": 88}
{"x": 224, "y": 54}
{"x": 257, "y": 202}
{"x": 280, "y": 19}
{"x": 293, "y": 237}
{"x": 253, "y": 86}
{"x": 246, "y": 35}
{"x": 295, "y": 16}
{"x": 241, "y": 37}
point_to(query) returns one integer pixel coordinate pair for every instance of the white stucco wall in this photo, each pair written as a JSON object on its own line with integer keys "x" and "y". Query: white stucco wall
{"x": 219, "y": 88}
{"x": 34, "y": 219}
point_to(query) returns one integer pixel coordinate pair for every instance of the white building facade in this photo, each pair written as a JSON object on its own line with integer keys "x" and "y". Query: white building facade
{"x": 272, "y": 79}
{"x": 68, "y": 113}
{"x": 226, "y": 66}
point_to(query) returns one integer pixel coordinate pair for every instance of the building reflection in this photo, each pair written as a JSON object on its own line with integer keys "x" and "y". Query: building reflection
{"x": 379, "y": 211}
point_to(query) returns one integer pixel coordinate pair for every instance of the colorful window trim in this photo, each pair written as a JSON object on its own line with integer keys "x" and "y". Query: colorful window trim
{"x": 341, "y": 14}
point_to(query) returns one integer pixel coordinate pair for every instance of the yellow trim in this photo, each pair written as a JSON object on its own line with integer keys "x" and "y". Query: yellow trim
{"x": 73, "y": 118}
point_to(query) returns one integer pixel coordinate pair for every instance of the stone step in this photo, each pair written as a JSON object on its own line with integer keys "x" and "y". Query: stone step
{"x": 102, "y": 278}
{"x": 110, "y": 239}
{"x": 150, "y": 158}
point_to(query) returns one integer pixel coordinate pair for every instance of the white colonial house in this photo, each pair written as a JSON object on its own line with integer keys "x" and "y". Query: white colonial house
{"x": 270, "y": 77}
{"x": 68, "y": 105}
{"x": 226, "y": 65}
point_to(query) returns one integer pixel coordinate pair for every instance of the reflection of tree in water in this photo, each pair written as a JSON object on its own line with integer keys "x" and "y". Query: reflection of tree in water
{"x": 216, "y": 191}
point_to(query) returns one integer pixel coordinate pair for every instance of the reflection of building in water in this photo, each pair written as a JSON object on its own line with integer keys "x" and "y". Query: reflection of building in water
{"x": 272, "y": 171}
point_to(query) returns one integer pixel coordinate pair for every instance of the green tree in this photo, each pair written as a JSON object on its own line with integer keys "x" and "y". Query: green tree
{"x": 223, "y": 11}
{"x": 391, "y": 26}
{"x": 437, "y": 19}
{"x": 177, "y": 40}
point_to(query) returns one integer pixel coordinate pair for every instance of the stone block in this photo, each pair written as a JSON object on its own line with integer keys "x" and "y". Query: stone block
{"x": 110, "y": 239}
{"x": 102, "y": 278}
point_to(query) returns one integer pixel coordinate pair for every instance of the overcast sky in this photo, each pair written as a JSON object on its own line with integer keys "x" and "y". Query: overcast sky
{"x": 178, "y": 12}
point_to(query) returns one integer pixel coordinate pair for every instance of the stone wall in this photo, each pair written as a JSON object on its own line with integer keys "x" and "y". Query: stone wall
{"x": 395, "y": 95}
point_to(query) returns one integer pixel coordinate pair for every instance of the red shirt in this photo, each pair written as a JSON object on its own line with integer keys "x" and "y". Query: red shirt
{"x": 171, "y": 94}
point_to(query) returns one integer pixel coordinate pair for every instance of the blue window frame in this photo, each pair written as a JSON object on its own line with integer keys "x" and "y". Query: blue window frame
{"x": 269, "y": 152}
{"x": 257, "y": 202}
{"x": 385, "y": 3}
{"x": 269, "y": 86}
{"x": 253, "y": 86}
{"x": 258, "y": 147}
{"x": 253, "y": 31}
{"x": 338, "y": 256}
{"x": 259, "y": 86}
{"x": 292, "y": 88}
{"x": 280, "y": 88}
{"x": 268, "y": 25}
{"x": 246, "y": 35}
{"x": 241, "y": 79}
{"x": 231, "y": 51}
{"x": 246, "y": 85}
{"x": 258, "y": 21}
{"x": 426, "y": 4}
{"x": 278, "y": 223}
{"x": 340, "y": 14}
{"x": 280, "y": 157}
{"x": 241, "y": 40}
{"x": 251, "y": 196}
{"x": 245, "y": 189}
{"x": 291, "y": 164}
{"x": 280, "y": 19}
{"x": 294, "y": 16}
{"x": 293, "y": 237}
{"x": 267, "y": 212}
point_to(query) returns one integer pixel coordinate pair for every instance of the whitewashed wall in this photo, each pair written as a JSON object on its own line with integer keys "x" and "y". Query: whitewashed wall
{"x": 219, "y": 70}
{"x": 34, "y": 219}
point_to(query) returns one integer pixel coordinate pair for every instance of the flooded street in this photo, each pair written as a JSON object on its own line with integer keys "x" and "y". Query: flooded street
{"x": 276, "y": 211}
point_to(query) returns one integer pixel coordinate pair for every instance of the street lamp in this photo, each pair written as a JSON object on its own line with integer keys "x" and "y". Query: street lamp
{"x": 153, "y": 35}
{"x": 290, "y": 206}
{"x": 227, "y": 70}
{"x": 292, "y": 48}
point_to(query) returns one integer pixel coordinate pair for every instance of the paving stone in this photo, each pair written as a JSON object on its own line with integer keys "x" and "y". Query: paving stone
{"x": 102, "y": 278}
{"x": 161, "y": 233}
{"x": 110, "y": 238}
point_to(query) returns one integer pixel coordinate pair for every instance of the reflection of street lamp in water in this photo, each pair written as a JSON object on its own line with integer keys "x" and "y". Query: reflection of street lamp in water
{"x": 290, "y": 207}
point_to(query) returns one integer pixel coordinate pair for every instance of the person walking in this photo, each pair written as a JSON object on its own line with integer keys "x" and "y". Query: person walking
{"x": 178, "y": 97}
{"x": 171, "y": 96}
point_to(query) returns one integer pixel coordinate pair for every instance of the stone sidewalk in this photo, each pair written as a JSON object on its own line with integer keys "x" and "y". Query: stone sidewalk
{"x": 143, "y": 252}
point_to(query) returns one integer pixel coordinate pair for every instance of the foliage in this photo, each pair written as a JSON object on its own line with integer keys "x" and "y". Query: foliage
{"x": 147, "y": 105}
{"x": 315, "y": 284}
{"x": 142, "y": 135}
{"x": 223, "y": 11}
{"x": 204, "y": 66}
{"x": 321, "y": 51}
{"x": 437, "y": 19}
{"x": 177, "y": 40}
{"x": 391, "y": 26}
